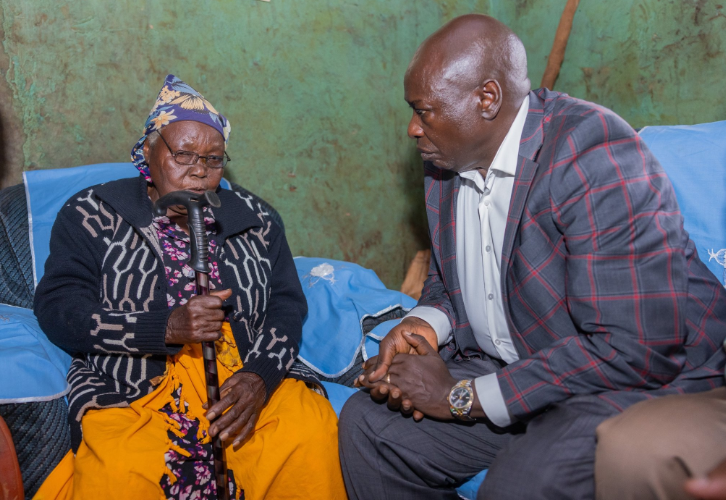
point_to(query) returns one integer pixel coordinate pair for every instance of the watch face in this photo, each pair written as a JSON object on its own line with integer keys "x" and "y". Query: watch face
{"x": 460, "y": 397}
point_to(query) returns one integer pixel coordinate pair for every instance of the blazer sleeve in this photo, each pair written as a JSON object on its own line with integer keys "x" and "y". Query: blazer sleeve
{"x": 626, "y": 271}
{"x": 68, "y": 301}
{"x": 277, "y": 344}
{"x": 434, "y": 294}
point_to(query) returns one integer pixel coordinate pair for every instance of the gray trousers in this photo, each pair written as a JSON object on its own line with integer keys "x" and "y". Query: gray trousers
{"x": 385, "y": 455}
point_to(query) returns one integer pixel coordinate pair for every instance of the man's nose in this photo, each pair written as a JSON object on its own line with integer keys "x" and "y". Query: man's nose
{"x": 414, "y": 129}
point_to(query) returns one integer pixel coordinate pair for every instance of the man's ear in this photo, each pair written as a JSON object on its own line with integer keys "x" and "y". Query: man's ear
{"x": 490, "y": 99}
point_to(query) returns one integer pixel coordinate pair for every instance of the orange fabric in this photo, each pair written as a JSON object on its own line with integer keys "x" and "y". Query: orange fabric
{"x": 59, "y": 484}
{"x": 293, "y": 453}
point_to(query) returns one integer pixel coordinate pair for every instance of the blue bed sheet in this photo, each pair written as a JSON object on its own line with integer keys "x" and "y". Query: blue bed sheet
{"x": 694, "y": 157}
{"x": 33, "y": 369}
{"x": 340, "y": 296}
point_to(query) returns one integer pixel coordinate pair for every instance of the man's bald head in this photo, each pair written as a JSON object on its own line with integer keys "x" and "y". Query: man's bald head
{"x": 471, "y": 49}
{"x": 466, "y": 84}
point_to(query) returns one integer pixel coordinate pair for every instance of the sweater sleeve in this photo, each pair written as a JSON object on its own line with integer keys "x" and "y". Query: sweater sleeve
{"x": 277, "y": 344}
{"x": 68, "y": 301}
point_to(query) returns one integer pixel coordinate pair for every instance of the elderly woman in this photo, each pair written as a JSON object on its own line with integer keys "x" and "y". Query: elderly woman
{"x": 118, "y": 294}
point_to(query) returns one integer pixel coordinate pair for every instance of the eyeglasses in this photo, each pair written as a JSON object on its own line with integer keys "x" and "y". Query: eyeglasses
{"x": 189, "y": 158}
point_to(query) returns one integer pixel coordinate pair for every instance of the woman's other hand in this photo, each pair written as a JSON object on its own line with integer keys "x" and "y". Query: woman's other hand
{"x": 199, "y": 320}
{"x": 244, "y": 395}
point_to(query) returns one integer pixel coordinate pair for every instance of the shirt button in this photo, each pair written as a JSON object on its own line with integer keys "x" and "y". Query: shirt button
{"x": 491, "y": 296}
{"x": 497, "y": 342}
{"x": 488, "y": 249}
{"x": 486, "y": 203}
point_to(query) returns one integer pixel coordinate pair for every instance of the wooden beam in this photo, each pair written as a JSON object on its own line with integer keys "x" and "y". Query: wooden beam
{"x": 557, "y": 54}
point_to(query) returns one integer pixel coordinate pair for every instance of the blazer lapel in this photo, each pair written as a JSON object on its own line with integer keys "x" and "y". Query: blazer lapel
{"x": 529, "y": 146}
{"x": 526, "y": 170}
{"x": 448, "y": 236}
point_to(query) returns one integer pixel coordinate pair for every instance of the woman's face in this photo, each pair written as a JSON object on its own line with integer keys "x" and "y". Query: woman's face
{"x": 167, "y": 175}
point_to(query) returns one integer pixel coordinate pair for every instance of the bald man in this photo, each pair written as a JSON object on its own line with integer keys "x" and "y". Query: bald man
{"x": 562, "y": 288}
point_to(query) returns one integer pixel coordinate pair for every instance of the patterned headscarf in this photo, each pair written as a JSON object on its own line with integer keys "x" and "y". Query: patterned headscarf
{"x": 176, "y": 102}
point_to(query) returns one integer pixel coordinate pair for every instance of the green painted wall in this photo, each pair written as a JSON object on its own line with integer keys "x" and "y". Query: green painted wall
{"x": 654, "y": 62}
{"x": 313, "y": 90}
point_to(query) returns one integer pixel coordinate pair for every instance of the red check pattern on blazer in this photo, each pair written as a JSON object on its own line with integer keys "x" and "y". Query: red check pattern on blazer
{"x": 603, "y": 289}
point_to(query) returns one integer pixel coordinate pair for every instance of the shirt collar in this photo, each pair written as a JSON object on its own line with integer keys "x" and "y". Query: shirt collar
{"x": 505, "y": 161}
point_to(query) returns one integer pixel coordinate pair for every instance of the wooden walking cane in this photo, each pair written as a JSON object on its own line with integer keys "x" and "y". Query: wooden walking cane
{"x": 199, "y": 261}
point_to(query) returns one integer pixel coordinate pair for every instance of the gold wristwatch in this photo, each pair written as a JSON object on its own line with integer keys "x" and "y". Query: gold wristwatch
{"x": 461, "y": 399}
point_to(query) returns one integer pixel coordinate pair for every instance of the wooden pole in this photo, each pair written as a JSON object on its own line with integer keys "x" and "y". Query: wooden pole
{"x": 417, "y": 273}
{"x": 557, "y": 54}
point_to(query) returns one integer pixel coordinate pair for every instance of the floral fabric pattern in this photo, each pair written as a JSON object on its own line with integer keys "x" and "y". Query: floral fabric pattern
{"x": 189, "y": 460}
{"x": 176, "y": 246}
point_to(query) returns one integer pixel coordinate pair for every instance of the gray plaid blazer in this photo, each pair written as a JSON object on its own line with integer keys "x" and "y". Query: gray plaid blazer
{"x": 603, "y": 289}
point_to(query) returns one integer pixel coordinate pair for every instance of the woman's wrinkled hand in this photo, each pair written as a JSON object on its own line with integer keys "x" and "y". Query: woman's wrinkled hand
{"x": 242, "y": 397}
{"x": 199, "y": 320}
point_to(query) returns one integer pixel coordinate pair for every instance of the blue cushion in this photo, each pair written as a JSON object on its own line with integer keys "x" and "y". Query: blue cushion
{"x": 33, "y": 368}
{"x": 340, "y": 296}
{"x": 338, "y": 395}
{"x": 694, "y": 157}
{"x": 469, "y": 489}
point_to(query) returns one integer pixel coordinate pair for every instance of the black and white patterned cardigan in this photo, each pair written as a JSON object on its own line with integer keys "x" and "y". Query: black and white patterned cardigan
{"x": 103, "y": 297}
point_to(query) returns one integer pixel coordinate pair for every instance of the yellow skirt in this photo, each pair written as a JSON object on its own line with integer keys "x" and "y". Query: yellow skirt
{"x": 293, "y": 453}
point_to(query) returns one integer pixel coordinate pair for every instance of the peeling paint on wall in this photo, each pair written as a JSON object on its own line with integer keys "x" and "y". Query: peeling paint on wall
{"x": 313, "y": 91}
{"x": 315, "y": 96}
{"x": 654, "y": 62}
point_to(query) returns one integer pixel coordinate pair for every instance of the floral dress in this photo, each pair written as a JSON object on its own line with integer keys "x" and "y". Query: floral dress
{"x": 189, "y": 461}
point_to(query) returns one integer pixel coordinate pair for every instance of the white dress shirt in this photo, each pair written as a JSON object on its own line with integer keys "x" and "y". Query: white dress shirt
{"x": 481, "y": 218}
